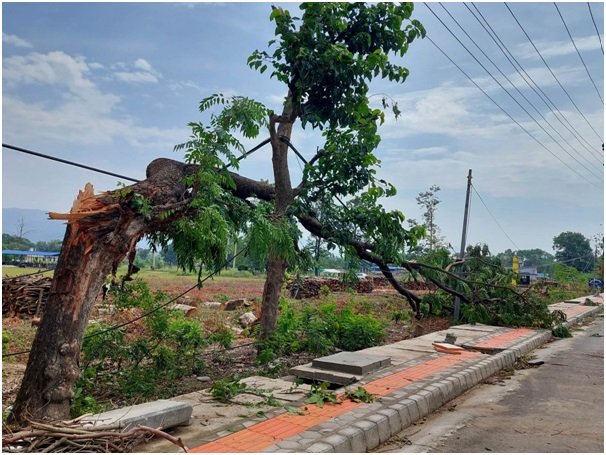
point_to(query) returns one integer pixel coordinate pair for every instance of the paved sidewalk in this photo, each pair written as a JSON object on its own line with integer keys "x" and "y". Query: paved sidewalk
{"x": 419, "y": 381}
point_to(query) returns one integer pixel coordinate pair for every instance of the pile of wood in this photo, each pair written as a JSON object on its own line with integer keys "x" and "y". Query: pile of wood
{"x": 382, "y": 283}
{"x": 25, "y": 295}
{"x": 72, "y": 437}
{"x": 311, "y": 287}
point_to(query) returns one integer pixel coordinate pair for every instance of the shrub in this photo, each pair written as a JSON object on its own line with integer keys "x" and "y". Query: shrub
{"x": 319, "y": 330}
{"x": 144, "y": 363}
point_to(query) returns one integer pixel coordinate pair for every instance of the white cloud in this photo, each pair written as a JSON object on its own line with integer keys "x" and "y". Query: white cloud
{"x": 136, "y": 77}
{"x": 82, "y": 115}
{"x": 15, "y": 41}
{"x": 54, "y": 68}
{"x": 449, "y": 110}
{"x": 179, "y": 87}
{"x": 143, "y": 64}
{"x": 557, "y": 48}
{"x": 144, "y": 72}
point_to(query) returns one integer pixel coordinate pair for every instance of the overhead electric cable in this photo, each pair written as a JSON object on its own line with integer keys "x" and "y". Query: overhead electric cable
{"x": 552, "y": 73}
{"x": 507, "y": 92}
{"x": 509, "y": 115}
{"x": 596, "y": 27}
{"x": 493, "y": 217}
{"x": 534, "y": 86}
{"x": 101, "y": 171}
{"x": 71, "y": 163}
{"x": 151, "y": 311}
{"x": 524, "y": 96}
{"x": 578, "y": 53}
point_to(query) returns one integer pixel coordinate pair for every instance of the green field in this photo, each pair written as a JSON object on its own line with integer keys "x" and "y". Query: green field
{"x": 11, "y": 271}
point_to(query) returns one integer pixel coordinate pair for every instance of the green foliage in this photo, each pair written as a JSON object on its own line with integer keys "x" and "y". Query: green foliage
{"x": 221, "y": 298}
{"x": 330, "y": 53}
{"x": 320, "y": 395}
{"x": 360, "y": 395}
{"x": 357, "y": 331}
{"x": 561, "y": 331}
{"x": 326, "y": 58}
{"x": 14, "y": 242}
{"x": 400, "y": 316}
{"x": 319, "y": 330}
{"x": 147, "y": 363}
{"x": 225, "y": 389}
{"x": 269, "y": 235}
{"x": 571, "y": 277}
{"x": 574, "y": 249}
{"x": 534, "y": 257}
{"x": 82, "y": 403}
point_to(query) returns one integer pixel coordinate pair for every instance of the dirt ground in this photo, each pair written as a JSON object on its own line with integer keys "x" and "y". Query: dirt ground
{"x": 220, "y": 363}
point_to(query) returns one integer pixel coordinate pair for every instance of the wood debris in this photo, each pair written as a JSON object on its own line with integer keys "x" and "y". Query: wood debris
{"x": 25, "y": 295}
{"x": 72, "y": 436}
{"x": 311, "y": 287}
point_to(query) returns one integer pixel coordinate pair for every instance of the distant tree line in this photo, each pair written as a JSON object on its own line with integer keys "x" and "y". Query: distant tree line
{"x": 14, "y": 242}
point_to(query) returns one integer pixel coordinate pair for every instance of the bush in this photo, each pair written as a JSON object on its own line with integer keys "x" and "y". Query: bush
{"x": 319, "y": 330}
{"x": 147, "y": 362}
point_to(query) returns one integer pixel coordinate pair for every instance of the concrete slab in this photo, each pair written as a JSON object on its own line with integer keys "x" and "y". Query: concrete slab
{"x": 475, "y": 327}
{"x": 416, "y": 344}
{"x": 208, "y": 417}
{"x": 356, "y": 363}
{"x": 316, "y": 374}
{"x": 156, "y": 414}
{"x": 280, "y": 389}
{"x": 398, "y": 355}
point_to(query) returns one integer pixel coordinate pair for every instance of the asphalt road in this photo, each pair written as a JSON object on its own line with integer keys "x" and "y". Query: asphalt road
{"x": 556, "y": 407}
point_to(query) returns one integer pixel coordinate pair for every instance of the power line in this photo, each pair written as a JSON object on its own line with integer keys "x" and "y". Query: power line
{"x": 507, "y": 113}
{"x": 577, "y": 49}
{"x": 596, "y": 27}
{"x": 149, "y": 312}
{"x": 552, "y": 73}
{"x": 524, "y": 97}
{"x": 512, "y": 97}
{"x": 493, "y": 217}
{"x": 547, "y": 101}
{"x": 101, "y": 171}
{"x": 71, "y": 163}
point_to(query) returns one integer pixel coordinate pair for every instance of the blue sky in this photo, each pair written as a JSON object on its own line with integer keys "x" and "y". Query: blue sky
{"x": 114, "y": 85}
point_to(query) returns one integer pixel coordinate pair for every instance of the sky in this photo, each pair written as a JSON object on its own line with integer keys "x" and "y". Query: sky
{"x": 114, "y": 86}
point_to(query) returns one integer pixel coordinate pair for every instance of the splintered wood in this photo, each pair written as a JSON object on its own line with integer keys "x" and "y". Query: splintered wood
{"x": 25, "y": 295}
{"x": 86, "y": 204}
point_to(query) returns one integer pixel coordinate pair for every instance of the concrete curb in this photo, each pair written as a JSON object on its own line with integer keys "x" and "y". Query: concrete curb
{"x": 577, "y": 319}
{"x": 369, "y": 426}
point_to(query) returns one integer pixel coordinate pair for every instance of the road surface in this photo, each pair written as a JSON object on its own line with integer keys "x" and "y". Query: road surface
{"x": 555, "y": 407}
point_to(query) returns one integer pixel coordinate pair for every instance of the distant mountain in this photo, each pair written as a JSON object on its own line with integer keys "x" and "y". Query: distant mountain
{"x": 36, "y": 225}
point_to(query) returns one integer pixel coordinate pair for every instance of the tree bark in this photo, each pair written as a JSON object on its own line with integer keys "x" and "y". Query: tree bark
{"x": 101, "y": 230}
{"x": 276, "y": 264}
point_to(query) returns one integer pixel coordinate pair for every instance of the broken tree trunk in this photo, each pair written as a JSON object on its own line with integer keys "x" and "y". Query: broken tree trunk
{"x": 101, "y": 230}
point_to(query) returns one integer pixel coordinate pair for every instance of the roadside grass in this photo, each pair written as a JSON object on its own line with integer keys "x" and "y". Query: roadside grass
{"x": 8, "y": 271}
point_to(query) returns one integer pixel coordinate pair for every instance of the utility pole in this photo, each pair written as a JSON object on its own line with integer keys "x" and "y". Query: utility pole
{"x": 457, "y": 304}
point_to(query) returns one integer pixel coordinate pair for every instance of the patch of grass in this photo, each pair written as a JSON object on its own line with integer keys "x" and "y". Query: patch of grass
{"x": 320, "y": 395}
{"x": 16, "y": 271}
{"x": 360, "y": 395}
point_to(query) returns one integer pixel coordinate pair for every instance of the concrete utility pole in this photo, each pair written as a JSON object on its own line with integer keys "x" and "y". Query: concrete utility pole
{"x": 457, "y": 304}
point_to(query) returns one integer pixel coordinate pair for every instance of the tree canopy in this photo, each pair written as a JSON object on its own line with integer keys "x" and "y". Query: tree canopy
{"x": 574, "y": 249}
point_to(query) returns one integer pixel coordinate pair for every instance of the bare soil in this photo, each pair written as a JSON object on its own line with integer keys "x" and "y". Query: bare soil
{"x": 220, "y": 363}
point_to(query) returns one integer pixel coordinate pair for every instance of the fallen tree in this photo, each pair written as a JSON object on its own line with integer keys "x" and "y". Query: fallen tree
{"x": 326, "y": 60}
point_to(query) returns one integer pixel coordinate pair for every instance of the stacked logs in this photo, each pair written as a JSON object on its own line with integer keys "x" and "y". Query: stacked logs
{"x": 25, "y": 295}
{"x": 311, "y": 287}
